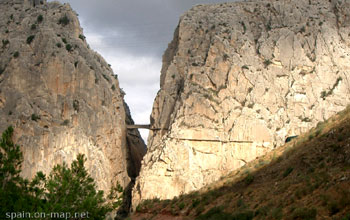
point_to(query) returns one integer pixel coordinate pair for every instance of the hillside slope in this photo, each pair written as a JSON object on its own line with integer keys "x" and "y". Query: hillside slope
{"x": 61, "y": 97}
{"x": 237, "y": 80}
{"x": 307, "y": 178}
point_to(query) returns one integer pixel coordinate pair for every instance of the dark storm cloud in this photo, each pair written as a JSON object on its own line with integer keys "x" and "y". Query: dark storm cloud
{"x": 140, "y": 27}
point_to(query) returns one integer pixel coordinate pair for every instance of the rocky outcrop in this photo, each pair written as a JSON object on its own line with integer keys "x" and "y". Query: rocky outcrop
{"x": 61, "y": 97}
{"x": 237, "y": 79}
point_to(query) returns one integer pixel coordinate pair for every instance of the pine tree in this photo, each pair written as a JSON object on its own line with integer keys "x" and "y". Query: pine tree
{"x": 65, "y": 190}
{"x": 10, "y": 168}
{"x": 72, "y": 190}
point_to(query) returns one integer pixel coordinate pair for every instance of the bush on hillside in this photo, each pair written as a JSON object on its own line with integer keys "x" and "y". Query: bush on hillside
{"x": 65, "y": 190}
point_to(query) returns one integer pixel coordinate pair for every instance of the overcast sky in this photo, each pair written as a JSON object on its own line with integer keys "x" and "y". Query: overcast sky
{"x": 132, "y": 36}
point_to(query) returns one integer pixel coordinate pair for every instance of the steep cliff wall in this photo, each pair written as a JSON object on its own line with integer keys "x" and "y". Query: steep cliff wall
{"x": 61, "y": 97}
{"x": 237, "y": 79}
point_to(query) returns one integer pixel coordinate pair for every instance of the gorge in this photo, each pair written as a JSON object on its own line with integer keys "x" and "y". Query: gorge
{"x": 237, "y": 80}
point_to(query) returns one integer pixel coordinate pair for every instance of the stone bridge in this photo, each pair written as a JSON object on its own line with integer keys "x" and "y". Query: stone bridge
{"x": 148, "y": 126}
{"x": 144, "y": 127}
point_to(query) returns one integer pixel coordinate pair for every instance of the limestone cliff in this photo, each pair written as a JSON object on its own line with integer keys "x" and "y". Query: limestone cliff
{"x": 61, "y": 97}
{"x": 237, "y": 79}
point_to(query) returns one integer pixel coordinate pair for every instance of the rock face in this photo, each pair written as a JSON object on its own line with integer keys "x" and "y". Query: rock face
{"x": 237, "y": 79}
{"x": 61, "y": 97}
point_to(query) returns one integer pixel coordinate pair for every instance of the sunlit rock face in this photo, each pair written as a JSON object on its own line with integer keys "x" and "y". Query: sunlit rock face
{"x": 237, "y": 79}
{"x": 61, "y": 97}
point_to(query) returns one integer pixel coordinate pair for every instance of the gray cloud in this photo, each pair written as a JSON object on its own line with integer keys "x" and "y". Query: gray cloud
{"x": 135, "y": 26}
{"x": 132, "y": 36}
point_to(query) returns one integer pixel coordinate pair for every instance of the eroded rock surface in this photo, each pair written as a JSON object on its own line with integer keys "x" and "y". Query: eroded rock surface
{"x": 61, "y": 97}
{"x": 237, "y": 79}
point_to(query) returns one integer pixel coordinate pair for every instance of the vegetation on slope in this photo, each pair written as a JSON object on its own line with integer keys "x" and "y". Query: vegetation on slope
{"x": 67, "y": 193}
{"x": 308, "y": 178}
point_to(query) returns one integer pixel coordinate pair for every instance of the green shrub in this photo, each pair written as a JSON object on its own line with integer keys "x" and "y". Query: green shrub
{"x": 318, "y": 132}
{"x": 320, "y": 125}
{"x": 35, "y": 117}
{"x": 337, "y": 82}
{"x": 323, "y": 94}
{"x": 333, "y": 207}
{"x": 113, "y": 87}
{"x": 4, "y": 43}
{"x": 304, "y": 213}
{"x": 2, "y": 69}
{"x": 195, "y": 202}
{"x": 69, "y": 47}
{"x": 341, "y": 137}
{"x": 59, "y": 45}
{"x": 277, "y": 213}
{"x": 181, "y": 205}
{"x": 30, "y": 39}
{"x": 63, "y": 20}
{"x": 65, "y": 122}
{"x": 267, "y": 63}
{"x": 249, "y": 179}
{"x": 138, "y": 208}
{"x": 299, "y": 193}
{"x": 311, "y": 136}
{"x": 268, "y": 26}
{"x": 243, "y": 215}
{"x": 241, "y": 204}
{"x": 82, "y": 37}
{"x": 251, "y": 105}
{"x": 16, "y": 54}
{"x": 287, "y": 171}
{"x": 244, "y": 27}
{"x": 306, "y": 119}
{"x": 347, "y": 217}
{"x": 200, "y": 209}
{"x": 40, "y": 18}
{"x": 334, "y": 147}
{"x": 106, "y": 77}
{"x": 33, "y": 27}
{"x": 262, "y": 211}
{"x": 217, "y": 213}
